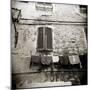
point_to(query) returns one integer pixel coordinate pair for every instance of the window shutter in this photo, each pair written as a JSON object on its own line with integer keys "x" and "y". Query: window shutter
{"x": 44, "y": 39}
{"x": 49, "y": 37}
{"x": 40, "y": 38}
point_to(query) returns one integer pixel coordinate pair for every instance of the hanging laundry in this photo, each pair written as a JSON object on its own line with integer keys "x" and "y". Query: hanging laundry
{"x": 83, "y": 59}
{"x": 74, "y": 59}
{"x": 64, "y": 60}
{"x": 35, "y": 59}
{"x": 55, "y": 59}
{"x": 46, "y": 60}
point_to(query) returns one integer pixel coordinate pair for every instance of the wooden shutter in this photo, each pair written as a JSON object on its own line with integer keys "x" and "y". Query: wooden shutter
{"x": 49, "y": 38}
{"x": 40, "y": 38}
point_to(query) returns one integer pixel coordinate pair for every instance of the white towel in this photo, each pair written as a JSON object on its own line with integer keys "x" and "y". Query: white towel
{"x": 55, "y": 59}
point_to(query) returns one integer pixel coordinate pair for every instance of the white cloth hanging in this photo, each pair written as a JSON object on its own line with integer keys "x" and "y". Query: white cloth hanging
{"x": 55, "y": 59}
{"x": 74, "y": 59}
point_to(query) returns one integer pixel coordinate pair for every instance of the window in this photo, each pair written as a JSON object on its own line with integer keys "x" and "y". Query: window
{"x": 43, "y": 6}
{"x": 83, "y": 9}
{"x": 44, "y": 39}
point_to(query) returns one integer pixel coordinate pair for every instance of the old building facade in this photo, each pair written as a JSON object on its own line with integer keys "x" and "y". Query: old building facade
{"x": 67, "y": 22}
{"x": 60, "y": 29}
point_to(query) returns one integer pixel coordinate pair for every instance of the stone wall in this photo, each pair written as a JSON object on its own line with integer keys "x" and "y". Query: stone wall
{"x": 63, "y": 35}
{"x": 66, "y": 37}
{"x": 61, "y": 12}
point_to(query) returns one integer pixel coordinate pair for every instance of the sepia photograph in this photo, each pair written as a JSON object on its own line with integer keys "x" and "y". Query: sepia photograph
{"x": 49, "y": 44}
